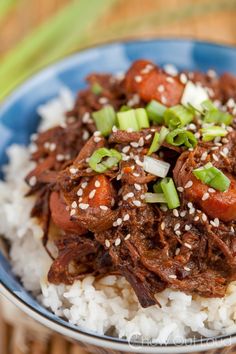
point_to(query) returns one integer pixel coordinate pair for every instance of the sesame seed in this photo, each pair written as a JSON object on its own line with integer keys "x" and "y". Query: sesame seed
{"x": 211, "y": 190}
{"x": 190, "y": 149}
{"x": 178, "y": 233}
{"x": 72, "y": 212}
{"x": 138, "y": 78}
{"x": 170, "y": 79}
{"x": 127, "y": 237}
{"x": 225, "y": 151}
{"x": 232, "y": 229}
{"x": 205, "y": 196}
{"x": 160, "y": 88}
{"x": 183, "y": 78}
{"x": 229, "y": 129}
{"x": 114, "y": 224}
{"x": 126, "y": 217}
{"x": 103, "y": 207}
{"x": 60, "y": 157}
{"x": 187, "y": 245}
{"x": 97, "y": 139}
{"x": 217, "y": 222}
{"x": 86, "y": 117}
{"x": 138, "y": 162}
{"x": 180, "y": 189}
{"x": 225, "y": 140}
{"x": 204, "y": 156}
{"x": 103, "y": 100}
{"x": 172, "y": 276}
{"x": 80, "y": 192}
{"x": 84, "y": 185}
{"x": 107, "y": 243}
{"x": 163, "y": 207}
{"x": 137, "y": 203}
{"x": 197, "y": 135}
{"x": 177, "y": 226}
{"x": 215, "y": 157}
{"x": 192, "y": 126}
{"x": 32, "y": 181}
{"x": 73, "y": 170}
{"x": 163, "y": 225}
{"x": 88, "y": 170}
{"x": 125, "y": 157}
{"x": 97, "y": 184}
{"x": 141, "y": 141}
{"x": 175, "y": 212}
{"x": 137, "y": 186}
{"x": 190, "y": 205}
{"x": 128, "y": 195}
{"x": 83, "y": 206}
{"x": 119, "y": 176}
{"x": 148, "y": 137}
{"x": 142, "y": 196}
{"x": 52, "y": 147}
{"x": 163, "y": 100}
{"x": 85, "y": 135}
{"x": 196, "y": 218}
{"x": 119, "y": 221}
{"x": 136, "y": 174}
{"x": 92, "y": 194}
{"x": 177, "y": 251}
{"x": 74, "y": 204}
{"x": 126, "y": 149}
{"x": 215, "y": 148}
{"x": 188, "y": 184}
{"x": 187, "y": 227}
{"x": 187, "y": 269}
{"x": 134, "y": 144}
{"x": 117, "y": 241}
{"x": 114, "y": 129}
{"x": 183, "y": 213}
{"x": 191, "y": 211}
{"x": 204, "y": 217}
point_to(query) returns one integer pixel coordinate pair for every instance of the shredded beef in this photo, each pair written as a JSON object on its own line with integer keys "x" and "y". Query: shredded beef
{"x": 103, "y": 224}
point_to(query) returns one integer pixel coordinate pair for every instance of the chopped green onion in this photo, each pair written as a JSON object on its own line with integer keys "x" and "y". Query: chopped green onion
{"x": 155, "y": 111}
{"x": 142, "y": 118}
{"x": 156, "y": 167}
{"x": 155, "y": 198}
{"x": 155, "y": 144}
{"x": 208, "y": 105}
{"x": 170, "y": 193}
{"x": 158, "y": 140}
{"x": 212, "y": 132}
{"x": 127, "y": 120}
{"x": 180, "y": 137}
{"x": 124, "y": 108}
{"x": 177, "y": 117}
{"x": 157, "y": 187}
{"x": 105, "y": 119}
{"x": 96, "y": 88}
{"x": 218, "y": 117}
{"x": 96, "y": 163}
{"x": 213, "y": 177}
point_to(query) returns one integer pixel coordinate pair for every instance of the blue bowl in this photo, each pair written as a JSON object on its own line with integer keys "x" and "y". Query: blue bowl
{"x": 18, "y": 120}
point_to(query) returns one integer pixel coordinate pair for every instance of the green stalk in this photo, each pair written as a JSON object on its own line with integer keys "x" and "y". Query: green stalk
{"x": 50, "y": 41}
{"x": 5, "y": 7}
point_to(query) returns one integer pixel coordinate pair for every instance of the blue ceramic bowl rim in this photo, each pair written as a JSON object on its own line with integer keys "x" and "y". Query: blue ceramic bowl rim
{"x": 97, "y": 339}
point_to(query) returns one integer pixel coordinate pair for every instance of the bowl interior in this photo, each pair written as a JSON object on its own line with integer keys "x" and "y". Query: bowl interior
{"x": 18, "y": 117}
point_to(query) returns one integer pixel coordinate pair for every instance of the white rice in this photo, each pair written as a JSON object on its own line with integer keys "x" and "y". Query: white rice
{"x": 110, "y": 302}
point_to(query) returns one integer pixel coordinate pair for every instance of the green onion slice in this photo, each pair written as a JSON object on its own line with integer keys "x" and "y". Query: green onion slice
{"x": 96, "y": 88}
{"x": 127, "y": 120}
{"x": 155, "y": 198}
{"x": 208, "y": 105}
{"x": 177, "y": 117}
{"x": 180, "y": 137}
{"x": 211, "y": 132}
{"x": 213, "y": 177}
{"x": 155, "y": 111}
{"x": 218, "y": 117}
{"x": 158, "y": 140}
{"x": 99, "y": 165}
{"x": 124, "y": 108}
{"x": 142, "y": 118}
{"x": 105, "y": 119}
{"x": 170, "y": 193}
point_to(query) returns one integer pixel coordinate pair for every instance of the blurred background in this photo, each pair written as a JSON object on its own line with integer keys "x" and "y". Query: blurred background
{"x": 34, "y": 33}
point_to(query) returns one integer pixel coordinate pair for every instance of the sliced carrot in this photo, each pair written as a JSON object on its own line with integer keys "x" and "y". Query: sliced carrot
{"x": 99, "y": 191}
{"x": 153, "y": 84}
{"x": 61, "y": 216}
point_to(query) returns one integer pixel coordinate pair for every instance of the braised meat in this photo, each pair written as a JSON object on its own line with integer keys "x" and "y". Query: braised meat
{"x": 101, "y": 220}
